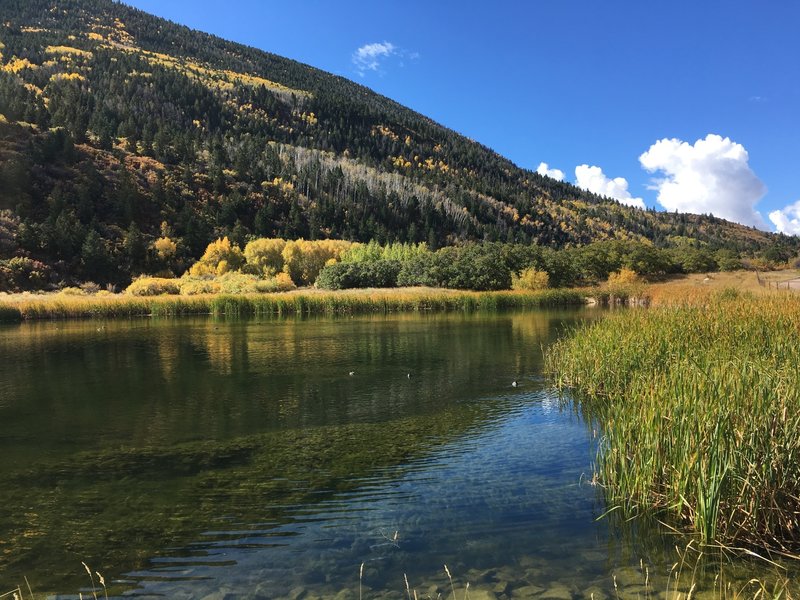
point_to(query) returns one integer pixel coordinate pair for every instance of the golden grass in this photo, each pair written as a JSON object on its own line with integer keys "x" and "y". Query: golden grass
{"x": 700, "y": 287}
{"x": 301, "y": 302}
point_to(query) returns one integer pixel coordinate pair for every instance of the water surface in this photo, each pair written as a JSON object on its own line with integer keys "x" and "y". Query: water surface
{"x": 198, "y": 458}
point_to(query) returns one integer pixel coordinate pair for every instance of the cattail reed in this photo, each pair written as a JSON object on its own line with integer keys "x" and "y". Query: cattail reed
{"x": 699, "y": 412}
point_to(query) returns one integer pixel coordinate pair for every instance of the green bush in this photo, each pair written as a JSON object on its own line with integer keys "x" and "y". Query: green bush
{"x": 23, "y": 274}
{"x": 480, "y": 267}
{"x": 379, "y": 274}
{"x": 694, "y": 260}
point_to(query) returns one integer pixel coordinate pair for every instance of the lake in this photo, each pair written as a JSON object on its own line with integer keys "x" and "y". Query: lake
{"x": 312, "y": 458}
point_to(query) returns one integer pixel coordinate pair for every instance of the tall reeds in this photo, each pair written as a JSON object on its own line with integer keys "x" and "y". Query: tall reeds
{"x": 699, "y": 413}
{"x": 280, "y": 304}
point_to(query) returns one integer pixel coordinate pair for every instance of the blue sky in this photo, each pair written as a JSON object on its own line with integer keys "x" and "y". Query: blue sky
{"x": 704, "y": 94}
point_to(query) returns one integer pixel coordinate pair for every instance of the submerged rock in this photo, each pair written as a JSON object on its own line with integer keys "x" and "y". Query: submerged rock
{"x": 627, "y": 576}
{"x": 481, "y": 594}
{"x": 298, "y": 593}
{"x": 634, "y": 592}
{"x": 594, "y": 592}
{"x": 502, "y": 588}
{"x": 557, "y": 591}
{"x": 527, "y": 591}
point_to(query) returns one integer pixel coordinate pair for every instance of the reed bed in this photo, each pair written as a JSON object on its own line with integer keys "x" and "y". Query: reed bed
{"x": 308, "y": 302}
{"x": 698, "y": 409}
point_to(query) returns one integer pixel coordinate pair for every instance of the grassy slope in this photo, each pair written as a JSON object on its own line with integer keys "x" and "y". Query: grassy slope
{"x": 698, "y": 286}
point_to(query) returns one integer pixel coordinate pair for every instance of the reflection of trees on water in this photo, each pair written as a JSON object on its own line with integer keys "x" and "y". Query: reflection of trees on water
{"x": 120, "y": 467}
{"x": 216, "y": 379}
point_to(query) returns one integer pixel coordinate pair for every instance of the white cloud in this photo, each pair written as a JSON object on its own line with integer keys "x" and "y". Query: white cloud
{"x": 545, "y": 170}
{"x": 787, "y": 220}
{"x": 594, "y": 180}
{"x": 711, "y": 176}
{"x": 370, "y": 56}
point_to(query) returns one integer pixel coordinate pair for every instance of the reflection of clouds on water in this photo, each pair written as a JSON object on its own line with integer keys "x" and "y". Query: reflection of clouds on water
{"x": 550, "y": 404}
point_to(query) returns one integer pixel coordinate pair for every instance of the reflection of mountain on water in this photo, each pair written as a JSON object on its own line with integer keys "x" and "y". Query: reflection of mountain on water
{"x": 103, "y": 468}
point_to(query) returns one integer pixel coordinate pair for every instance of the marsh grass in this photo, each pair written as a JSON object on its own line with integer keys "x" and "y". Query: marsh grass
{"x": 306, "y": 302}
{"x": 698, "y": 408}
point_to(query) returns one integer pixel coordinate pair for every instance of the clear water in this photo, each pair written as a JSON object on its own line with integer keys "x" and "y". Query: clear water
{"x": 197, "y": 458}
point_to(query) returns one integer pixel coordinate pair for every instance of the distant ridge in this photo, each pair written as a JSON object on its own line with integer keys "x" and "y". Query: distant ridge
{"x": 119, "y": 128}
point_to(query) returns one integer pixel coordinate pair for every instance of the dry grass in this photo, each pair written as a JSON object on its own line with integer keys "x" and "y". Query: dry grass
{"x": 700, "y": 287}
{"x": 301, "y": 302}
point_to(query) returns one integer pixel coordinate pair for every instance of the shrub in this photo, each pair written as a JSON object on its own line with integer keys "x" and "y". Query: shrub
{"x": 624, "y": 276}
{"x": 380, "y": 274}
{"x": 220, "y": 257}
{"x": 284, "y": 282}
{"x": 431, "y": 269}
{"x": 530, "y": 279}
{"x": 303, "y": 260}
{"x": 280, "y": 283}
{"x": 153, "y": 286}
{"x": 237, "y": 283}
{"x": 264, "y": 256}
{"x": 727, "y": 260}
{"x": 191, "y": 286}
{"x": 480, "y": 267}
{"x": 90, "y": 288}
{"x": 694, "y": 260}
{"x": 560, "y": 267}
{"x": 624, "y": 285}
{"x": 71, "y": 291}
{"x": 21, "y": 273}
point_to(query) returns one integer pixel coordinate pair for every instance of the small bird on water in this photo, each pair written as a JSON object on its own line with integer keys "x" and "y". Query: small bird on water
{"x": 352, "y": 373}
{"x": 514, "y": 383}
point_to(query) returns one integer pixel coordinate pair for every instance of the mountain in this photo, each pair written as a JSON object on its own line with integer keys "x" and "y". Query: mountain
{"x": 118, "y": 129}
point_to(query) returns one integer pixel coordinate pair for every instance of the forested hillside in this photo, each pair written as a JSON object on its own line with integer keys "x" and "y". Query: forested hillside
{"x": 129, "y": 143}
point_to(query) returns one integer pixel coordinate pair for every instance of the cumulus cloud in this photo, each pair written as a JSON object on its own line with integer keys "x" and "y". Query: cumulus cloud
{"x": 787, "y": 220}
{"x": 370, "y": 56}
{"x": 545, "y": 170}
{"x": 711, "y": 176}
{"x": 594, "y": 180}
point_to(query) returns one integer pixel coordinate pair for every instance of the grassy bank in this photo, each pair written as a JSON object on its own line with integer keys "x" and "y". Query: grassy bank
{"x": 304, "y": 302}
{"x": 698, "y": 409}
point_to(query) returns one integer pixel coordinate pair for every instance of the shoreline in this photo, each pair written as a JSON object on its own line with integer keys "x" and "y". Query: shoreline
{"x": 301, "y": 302}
